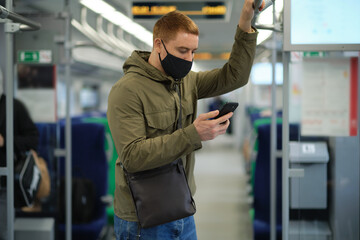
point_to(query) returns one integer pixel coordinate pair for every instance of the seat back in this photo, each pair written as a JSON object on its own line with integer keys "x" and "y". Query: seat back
{"x": 89, "y": 158}
{"x": 88, "y": 161}
{"x": 262, "y": 180}
{"x": 47, "y": 143}
{"x": 262, "y": 175}
{"x": 111, "y": 158}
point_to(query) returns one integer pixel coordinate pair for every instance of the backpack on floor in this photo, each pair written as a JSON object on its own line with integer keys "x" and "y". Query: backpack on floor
{"x": 83, "y": 200}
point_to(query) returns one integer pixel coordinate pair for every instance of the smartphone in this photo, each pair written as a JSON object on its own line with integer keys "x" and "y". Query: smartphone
{"x": 228, "y": 107}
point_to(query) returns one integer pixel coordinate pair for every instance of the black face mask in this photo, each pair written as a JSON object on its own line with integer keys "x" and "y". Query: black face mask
{"x": 174, "y": 66}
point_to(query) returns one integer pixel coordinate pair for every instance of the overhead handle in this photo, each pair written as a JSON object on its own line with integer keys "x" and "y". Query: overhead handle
{"x": 6, "y": 14}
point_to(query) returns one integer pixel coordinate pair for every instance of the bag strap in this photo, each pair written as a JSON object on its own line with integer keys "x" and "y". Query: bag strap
{"x": 179, "y": 122}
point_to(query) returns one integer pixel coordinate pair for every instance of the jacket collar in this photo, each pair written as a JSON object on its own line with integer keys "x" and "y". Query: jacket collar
{"x": 138, "y": 62}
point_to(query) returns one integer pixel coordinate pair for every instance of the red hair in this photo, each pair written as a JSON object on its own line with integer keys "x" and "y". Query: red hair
{"x": 171, "y": 23}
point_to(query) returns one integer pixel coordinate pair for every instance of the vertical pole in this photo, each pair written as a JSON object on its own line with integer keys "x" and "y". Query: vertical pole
{"x": 68, "y": 163}
{"x": 285, "y": 148}
{"x": 273, "y": 147}
{"x": 9, "y": 78}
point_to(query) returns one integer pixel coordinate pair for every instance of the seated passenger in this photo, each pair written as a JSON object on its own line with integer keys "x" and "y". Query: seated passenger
{"x": 25, "y": 138}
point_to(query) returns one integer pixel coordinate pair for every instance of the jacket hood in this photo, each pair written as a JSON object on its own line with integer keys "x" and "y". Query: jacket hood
{"x": 138, "y": 63}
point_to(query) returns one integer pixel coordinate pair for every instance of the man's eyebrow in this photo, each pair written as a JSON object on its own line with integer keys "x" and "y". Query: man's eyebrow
{"x": 181, "y": 47}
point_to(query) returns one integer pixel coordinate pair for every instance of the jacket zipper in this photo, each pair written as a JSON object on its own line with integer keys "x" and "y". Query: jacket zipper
{"x": 178, "y": 90}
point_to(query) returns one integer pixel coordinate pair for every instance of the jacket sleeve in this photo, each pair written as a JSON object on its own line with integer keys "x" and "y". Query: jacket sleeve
{"x": 235, "y": 73}
{"x": 128, "y": 127}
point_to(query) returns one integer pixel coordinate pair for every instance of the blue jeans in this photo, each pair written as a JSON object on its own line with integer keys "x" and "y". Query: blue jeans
{"x": 183, "y": 229}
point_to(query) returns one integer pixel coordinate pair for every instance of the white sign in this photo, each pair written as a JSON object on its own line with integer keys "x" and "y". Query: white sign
{"x": 327, "y": 106}
{"x": 308, "y": 148}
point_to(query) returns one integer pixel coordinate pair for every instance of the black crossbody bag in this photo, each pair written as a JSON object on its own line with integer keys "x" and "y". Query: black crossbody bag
{"x": 162, "y": 194}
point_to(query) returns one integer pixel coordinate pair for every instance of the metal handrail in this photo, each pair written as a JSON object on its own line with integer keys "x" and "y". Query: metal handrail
{"x": 271, "y": 27}
{"x": 6, "y": 14}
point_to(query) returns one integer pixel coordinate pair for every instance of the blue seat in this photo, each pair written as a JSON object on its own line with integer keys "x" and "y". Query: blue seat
{"x": 111, "y": 157}
{"x": 80, "y": 118}
{"x": 262, "y": 182}
{"x": 47, "y": 142}
{"x": 88, "y": 161}
{"x": 46, "y": 148}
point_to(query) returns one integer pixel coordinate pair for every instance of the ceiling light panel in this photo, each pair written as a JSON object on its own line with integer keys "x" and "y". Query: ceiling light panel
{"x": 119, "y": 19}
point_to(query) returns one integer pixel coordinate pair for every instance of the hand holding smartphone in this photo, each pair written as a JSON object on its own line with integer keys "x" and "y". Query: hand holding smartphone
{"x": 228, "y": 107}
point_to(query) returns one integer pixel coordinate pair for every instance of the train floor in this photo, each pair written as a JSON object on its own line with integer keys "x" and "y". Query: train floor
{"x": 222, "y": 195}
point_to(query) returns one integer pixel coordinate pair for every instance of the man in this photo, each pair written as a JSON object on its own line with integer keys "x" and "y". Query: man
{"x": 144, "y": 107}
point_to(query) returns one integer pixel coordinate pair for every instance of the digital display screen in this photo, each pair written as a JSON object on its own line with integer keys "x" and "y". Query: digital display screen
{"x": 322, "y": 25}
{"x": 195, "y": 10}
{"x": 35, "y": 76}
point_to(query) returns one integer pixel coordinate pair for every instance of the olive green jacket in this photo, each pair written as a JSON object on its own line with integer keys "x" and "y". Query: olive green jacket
{"x": 143, "y": 108}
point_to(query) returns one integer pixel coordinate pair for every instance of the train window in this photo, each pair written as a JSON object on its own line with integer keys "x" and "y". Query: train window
{"x": 89, "y": 97}
{"x": 261, "y": 73}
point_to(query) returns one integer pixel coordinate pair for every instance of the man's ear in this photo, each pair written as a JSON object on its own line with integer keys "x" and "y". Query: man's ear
{"x": 157, "y": 45}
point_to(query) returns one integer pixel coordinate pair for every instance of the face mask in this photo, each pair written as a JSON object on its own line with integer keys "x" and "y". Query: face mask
{"x": 174, "y": 66}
